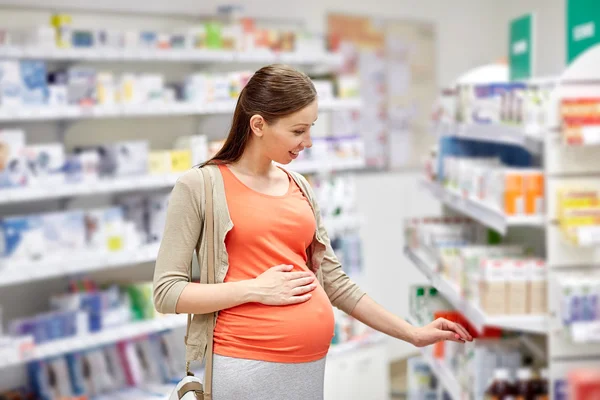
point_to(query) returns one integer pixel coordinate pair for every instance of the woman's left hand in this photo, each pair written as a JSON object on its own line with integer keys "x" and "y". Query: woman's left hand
{"x": 438, "y": 330}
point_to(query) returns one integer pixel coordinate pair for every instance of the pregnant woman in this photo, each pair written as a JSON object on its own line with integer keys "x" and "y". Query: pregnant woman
{"x": 276, "y": 276}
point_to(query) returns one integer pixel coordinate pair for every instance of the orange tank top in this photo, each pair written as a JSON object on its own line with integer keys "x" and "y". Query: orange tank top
{"x": 268, "y": 231}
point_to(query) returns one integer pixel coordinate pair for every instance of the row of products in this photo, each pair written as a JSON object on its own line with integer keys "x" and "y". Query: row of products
{"x": 475, "y": 364}
{"x": 224, "y": 32}
{"x": 501, "y": 279}
{"x": 511, "y": 103}
{"x": 524, "y": 385}
{"x": 580, "y": 305}
{"x": 580, "y": 118}
{"x": 578, "y": 214}
{"x": 30, "y": 83}
{"x": 514, "y": 191}
{"x": 49, "y": 165}
{"x": 52, "y": 236}
{"x": 85, "y": 308}
{"x": 144, "y": 368}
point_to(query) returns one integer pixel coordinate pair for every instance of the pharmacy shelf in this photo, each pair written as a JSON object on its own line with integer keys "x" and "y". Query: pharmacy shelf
{"x": 525, "y": 323}
{"x": 146, "y": 182}
{"x": 17, "y": 272}
{"x": 171, "y": 55}
{"x": 486, "y": 215}
{"x": 158, "y": 109}
{"x": 90, "y": 188}
{"x": 496, "y": 133}
{"x": 93, "y": 340}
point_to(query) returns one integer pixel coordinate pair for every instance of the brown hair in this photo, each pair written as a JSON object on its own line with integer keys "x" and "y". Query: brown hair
{"x": 273, "y": 92}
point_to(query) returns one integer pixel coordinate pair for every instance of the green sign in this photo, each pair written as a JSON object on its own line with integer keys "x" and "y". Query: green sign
{"x": 583, "y": 26}
{"x": 520, "y": 50}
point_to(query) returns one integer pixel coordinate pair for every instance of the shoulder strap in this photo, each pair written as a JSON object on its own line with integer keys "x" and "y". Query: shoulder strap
{"x": 209, "y": 238}
{"x": 210, "y": 245}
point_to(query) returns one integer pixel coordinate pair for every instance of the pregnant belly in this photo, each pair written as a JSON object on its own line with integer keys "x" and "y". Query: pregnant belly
{"x": 294, "y": 333}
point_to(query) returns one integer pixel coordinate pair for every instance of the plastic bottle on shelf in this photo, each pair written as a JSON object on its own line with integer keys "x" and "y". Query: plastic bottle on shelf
{"x": 420, "y": 305}
{"x": 541, "y": 386}
{"x": 525, "y": 386}
{"x": 500, "y": 388}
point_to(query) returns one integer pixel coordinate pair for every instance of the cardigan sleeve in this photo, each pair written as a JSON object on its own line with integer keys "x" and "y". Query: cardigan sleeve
{"x": 181, "y": 235}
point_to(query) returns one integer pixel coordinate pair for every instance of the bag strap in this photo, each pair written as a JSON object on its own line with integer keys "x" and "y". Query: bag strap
{"x": 209, "y": 237}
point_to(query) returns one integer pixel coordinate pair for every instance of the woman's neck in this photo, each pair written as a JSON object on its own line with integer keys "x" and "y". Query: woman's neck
{"x": 253, "y": 162}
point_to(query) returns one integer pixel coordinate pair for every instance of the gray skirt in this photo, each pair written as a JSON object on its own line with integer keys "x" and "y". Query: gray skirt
{"x": 241, "y": 379}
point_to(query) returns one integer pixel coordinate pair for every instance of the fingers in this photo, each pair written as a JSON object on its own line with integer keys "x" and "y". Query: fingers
{"x": 304, "y": 289}
{"x": 451, "y": 336}
{"x": 459, "y": 330}
{"x": 300, "y": 275}
{"x": 302, "y": 281}
{"x": 464, "y": 333}
{"x": 282, "y": 268}
{"x": 455, "y": 328}
{"x": 299, "y": 299}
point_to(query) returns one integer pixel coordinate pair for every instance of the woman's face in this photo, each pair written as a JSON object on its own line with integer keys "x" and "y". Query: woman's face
{"x": 284, "y": 139}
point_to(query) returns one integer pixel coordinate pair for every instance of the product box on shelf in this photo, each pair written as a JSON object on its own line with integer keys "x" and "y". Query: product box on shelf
{"x": 23, "y": 239}
{"x": 580, "y": 121}
{"x": 181, "y": 160}
{"x": 159, "y": 162}
{"x": 493, "y": 287}
{"x": 10, "y": 84}
{"x": 197, "y": 144}
{"x": 13, "y": 164}
{"x": 45, "y": 164}
{"x": 578, "y": 213}
{"x": 82, "y": 86}
{"x": 135, "y": 209}
{"x": 157, "y": 212}
{"x": 64, "y": 234}
{"x": 131, "y": 157}
{"x": 105, "y": 229}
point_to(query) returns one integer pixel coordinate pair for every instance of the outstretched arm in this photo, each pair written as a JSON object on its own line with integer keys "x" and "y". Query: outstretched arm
{"x": 377, "y": 317}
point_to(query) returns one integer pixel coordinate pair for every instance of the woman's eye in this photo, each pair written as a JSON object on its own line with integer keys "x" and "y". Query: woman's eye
{"x": 299, "y": 132}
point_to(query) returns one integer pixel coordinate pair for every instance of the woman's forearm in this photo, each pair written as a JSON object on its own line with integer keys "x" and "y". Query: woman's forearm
{"x": 199, "y": 298}
{"x": 374, "y": 315}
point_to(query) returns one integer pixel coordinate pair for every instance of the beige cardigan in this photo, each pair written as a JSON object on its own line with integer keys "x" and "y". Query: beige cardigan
{"x": 183, "y": 234}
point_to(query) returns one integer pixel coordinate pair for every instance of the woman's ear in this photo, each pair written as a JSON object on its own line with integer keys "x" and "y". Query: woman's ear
{"x": 257, "y": 124}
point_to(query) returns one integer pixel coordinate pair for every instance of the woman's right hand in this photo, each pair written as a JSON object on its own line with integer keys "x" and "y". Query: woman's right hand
{"x": 279, "y": 286}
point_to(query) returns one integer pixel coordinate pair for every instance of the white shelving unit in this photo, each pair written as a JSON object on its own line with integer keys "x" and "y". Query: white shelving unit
{"x": 14, "y": 272}
{"x": 158, "y": 109}
{"x": 564, "y": 166}
{"x": 496, "y": 133}
{"x": 481, "y": 212}
{"x": 169, "y": 55}
{"x": 92, "y": 340}
{"x": 146, "y": 182}
{"x": 115, "y": 185}
{"x": 524, "y": 323}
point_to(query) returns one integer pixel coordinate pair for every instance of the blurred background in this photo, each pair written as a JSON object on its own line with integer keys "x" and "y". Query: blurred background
{"x": 455, "y": 159}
